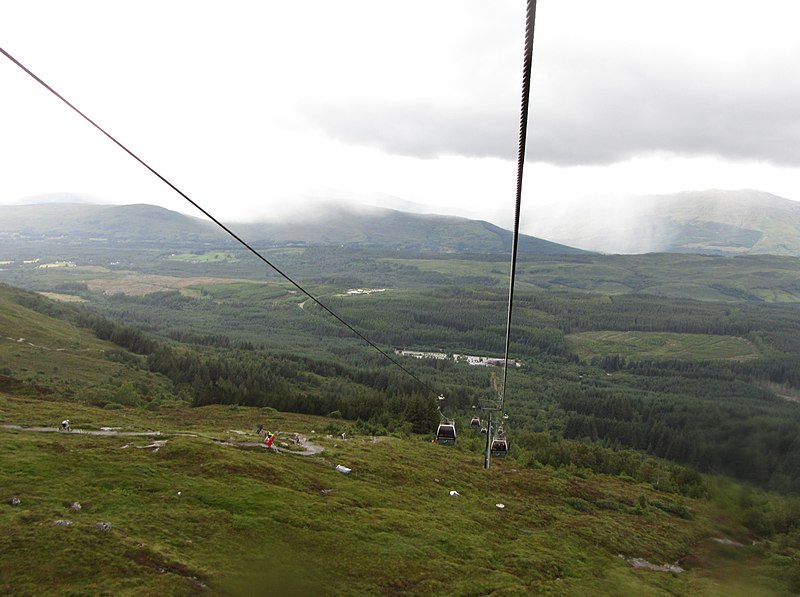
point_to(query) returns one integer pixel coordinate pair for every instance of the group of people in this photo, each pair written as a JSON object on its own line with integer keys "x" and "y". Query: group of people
{"x": 267, "y": 436}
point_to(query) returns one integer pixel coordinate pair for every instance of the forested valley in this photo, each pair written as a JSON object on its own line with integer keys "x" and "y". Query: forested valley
{"x": 263, "y": 345}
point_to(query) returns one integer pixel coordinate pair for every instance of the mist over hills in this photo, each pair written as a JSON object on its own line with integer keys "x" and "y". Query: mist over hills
{"x": 712, "y": 222}
{"x": 357, "y": 228}
{"x": 721, "y": 222}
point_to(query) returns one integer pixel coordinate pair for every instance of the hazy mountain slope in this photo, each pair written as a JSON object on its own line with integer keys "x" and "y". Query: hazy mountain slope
{"x": 74, "y": 222}
{"x": 377, "y": 227}
{"x": 734, "y": 221}
{"x": 374, "y": 228}
{"x": 712, "y": 221}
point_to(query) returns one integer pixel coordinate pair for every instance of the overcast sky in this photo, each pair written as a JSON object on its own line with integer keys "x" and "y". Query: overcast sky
{"x": 266, "y": 108}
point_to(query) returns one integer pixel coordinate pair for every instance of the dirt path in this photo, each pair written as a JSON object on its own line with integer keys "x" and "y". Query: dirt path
{"x": 306, "y": 448}
{"x": 84, "y": 431}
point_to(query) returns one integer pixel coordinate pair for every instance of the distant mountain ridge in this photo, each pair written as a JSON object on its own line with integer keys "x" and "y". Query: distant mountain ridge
{"x": 360, "y": 228}
{"x": 739, "y": 222}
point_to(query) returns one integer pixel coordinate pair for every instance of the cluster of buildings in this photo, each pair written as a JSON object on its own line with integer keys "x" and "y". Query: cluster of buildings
{"x": 353, "y": 291}
{"x": 459, "y": 358}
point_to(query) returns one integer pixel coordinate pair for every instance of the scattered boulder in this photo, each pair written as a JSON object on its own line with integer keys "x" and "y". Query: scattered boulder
{"x": 644, "y": 564}
{"x": 343, "y": 469}
{"x": 730, "y": 542}
{"x": 63, "y": 523}
{"x": 14, "y": 501}
{"x": 75, "y": 506}
{"x": 103, "y": 526}
{"x": 155, "y": 446}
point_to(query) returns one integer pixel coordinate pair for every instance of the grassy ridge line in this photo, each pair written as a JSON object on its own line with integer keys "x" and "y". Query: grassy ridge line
{"x": 247, "y": 520}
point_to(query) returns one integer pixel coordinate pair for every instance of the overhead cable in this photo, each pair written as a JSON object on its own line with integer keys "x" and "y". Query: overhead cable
{"x": 530, "y": 19}
{"x": 217, "y": 222}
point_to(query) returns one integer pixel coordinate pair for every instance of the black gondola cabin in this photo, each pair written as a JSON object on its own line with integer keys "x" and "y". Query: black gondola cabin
{"x": 499, "y": 447}
{"x": 446, "y": 434}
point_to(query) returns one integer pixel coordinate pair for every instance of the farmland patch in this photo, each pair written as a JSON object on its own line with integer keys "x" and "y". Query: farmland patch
{"x": 661, "y": 345}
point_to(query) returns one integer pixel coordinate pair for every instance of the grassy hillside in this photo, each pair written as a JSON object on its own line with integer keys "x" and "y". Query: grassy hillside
{"x": 249, "y": 521}
{"x": 101, "y": 224}
{"x": 202, "y": 516}
{"x": 40, "y": 350}
{"x": 149, "y": 225}
{"x": 733, "y": 221}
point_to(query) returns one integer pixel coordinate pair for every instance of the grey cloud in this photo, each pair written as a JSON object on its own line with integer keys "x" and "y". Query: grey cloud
{"x": 419, "y": 129}
{"x": 585, "y": 113}
{"x": 750, "y": 114}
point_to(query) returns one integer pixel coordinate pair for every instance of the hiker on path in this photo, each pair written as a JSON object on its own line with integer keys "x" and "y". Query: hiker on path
{"x": 65, "y": 425}
{"x": 270, "y": 437}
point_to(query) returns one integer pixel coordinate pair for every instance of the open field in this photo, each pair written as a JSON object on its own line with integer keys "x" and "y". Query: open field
{"x": 66, "y": 298}
{"x": 141, "y": 284}
{"x": 661, "y": 345}
{"x": 204, "y": 257}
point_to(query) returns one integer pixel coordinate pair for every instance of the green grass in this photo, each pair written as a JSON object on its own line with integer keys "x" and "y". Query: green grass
{"x": 660, "y": 345}
{"x": 454, "y": 267}
{"x": 249, "y": 522}
{"x": 44, "y": 351}
{"x": 205, "y": 257}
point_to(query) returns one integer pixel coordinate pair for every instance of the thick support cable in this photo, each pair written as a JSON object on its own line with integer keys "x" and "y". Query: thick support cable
{"x": 217, "y": 222}
{"x": 530, "y": 20}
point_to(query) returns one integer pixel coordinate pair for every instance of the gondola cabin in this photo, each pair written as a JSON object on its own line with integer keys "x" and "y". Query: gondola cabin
{"x": 475, "y": 423}
{"x": 446, "y": 434}
{"x": 499, "y": 447}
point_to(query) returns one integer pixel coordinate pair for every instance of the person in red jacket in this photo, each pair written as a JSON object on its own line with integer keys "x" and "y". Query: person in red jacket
{"x": 270, "y": 437}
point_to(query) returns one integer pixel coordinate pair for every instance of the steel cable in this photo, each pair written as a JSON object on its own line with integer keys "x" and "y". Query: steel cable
{"x": 530, "y": 19}
{"x": 217, "y": 222}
